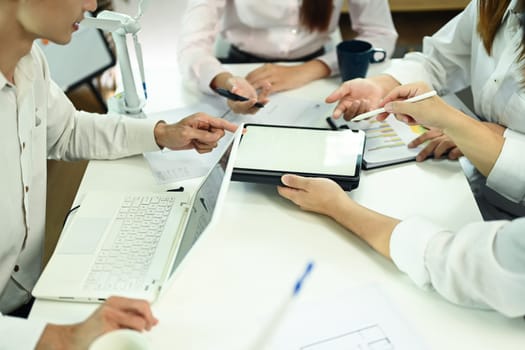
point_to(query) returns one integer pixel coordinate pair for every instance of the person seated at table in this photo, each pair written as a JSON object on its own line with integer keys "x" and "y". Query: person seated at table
{"x": 38, "y": 121}
{"x": 259, "y": 31}
{"x": 482, "y": 47}
{"x": 481, "y": 265}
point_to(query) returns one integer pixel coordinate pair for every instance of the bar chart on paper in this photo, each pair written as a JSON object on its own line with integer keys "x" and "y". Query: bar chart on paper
{"x": 387, "y": 141}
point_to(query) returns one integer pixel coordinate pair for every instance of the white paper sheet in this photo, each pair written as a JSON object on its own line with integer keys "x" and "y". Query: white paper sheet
{"x": 285, "y": 110}
{"x": 360, "y": 319}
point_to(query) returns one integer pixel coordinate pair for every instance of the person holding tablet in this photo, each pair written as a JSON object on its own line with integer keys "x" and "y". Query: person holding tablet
{"x": 259, "y": 31}
{"x": 39, "y": 122}
{"x": 483, "y": 264}
{"x": 483, "y": 47}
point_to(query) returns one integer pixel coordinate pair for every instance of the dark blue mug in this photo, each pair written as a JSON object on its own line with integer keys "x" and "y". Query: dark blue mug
{"x": 354, "y": 57}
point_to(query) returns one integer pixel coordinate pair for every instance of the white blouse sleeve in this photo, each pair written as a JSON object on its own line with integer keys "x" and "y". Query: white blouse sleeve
{"x": 195, "y": 50}
{"x": 508, "y": 174}
{"x": 446, "y": 58}
{"x": 482, "y": 265}
{"x": 73, "y": 135}
{"x": 19, "y": 333}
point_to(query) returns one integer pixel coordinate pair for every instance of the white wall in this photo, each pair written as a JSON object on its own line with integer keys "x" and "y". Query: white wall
{"x": 160, "y": 29}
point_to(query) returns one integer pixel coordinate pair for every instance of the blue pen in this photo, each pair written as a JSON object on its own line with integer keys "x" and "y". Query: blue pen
{"x": 273, "y": 323}
{"x": 300, "y": 281}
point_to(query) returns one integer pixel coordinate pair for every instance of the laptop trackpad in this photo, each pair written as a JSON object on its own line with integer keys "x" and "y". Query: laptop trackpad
{"x": 83, "y": 236}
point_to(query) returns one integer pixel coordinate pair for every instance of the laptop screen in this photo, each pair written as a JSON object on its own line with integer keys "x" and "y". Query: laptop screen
{"x": 203, "y": 207}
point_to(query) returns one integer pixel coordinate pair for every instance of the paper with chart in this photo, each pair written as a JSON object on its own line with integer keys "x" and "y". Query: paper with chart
{"x": 387, "y": 141}
{"x": 172, "y": 166}
{"x": 360, "y": 319}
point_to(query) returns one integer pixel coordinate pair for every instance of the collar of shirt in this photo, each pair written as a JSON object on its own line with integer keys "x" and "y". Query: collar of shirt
{"x": 3, "y": 81}
{"x": 513, "y": 8}
{"x": 24, "y": 71}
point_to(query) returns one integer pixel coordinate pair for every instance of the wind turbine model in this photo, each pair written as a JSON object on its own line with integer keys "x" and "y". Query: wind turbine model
{"x": 120, "y": 25}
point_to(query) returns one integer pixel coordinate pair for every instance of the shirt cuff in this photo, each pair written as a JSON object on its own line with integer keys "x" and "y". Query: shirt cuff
{"x": 506, "y": 177}
{"x": 406, "y": 71}
{"x": 408, "y": 245}
{"x": 330, "y": 59}
{"x": 20, "y": 333}
{"x": 206, "y": 71}
{"x": 140, "y": 135}
{"x": 511, "y": 134}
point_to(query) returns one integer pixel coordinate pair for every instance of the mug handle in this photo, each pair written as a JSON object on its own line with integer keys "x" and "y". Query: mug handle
{"x": 381, "y": 59}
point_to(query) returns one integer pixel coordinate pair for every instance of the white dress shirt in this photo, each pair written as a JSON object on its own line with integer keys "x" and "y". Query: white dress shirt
{"x": 39, "y": 122}
{"x": 271, "y": 29}
{"x": 455, "y": 58}
{"x": 482, "y": 265}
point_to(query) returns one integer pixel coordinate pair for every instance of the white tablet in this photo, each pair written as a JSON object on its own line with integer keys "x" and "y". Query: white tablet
{"x": 266, "y": 152}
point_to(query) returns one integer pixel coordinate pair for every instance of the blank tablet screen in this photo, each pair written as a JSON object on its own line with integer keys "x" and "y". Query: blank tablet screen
{"x": 300, "y": 150}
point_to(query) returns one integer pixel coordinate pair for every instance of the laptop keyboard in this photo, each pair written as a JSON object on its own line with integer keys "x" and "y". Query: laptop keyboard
{"x": 124, "y": 260}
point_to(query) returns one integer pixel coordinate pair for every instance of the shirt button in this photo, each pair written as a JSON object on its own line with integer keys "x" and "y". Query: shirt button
{"x": 23, "y": 145}
{"x": 27, "y": 188}
{"x": 294, "y": 31}
{"x": 16, "y": 268}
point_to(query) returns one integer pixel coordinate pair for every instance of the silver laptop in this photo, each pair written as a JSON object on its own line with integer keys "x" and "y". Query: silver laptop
{"x": 130, "y": 244}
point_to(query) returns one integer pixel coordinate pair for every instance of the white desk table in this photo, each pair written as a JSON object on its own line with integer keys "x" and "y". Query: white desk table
{"x": 234, "y": 275}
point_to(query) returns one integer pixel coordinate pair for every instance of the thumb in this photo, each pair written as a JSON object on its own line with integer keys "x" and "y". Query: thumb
{"x": 293, "y": 181}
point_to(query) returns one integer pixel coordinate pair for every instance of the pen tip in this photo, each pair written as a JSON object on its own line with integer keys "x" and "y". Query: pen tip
{"x": 300, "y": 281}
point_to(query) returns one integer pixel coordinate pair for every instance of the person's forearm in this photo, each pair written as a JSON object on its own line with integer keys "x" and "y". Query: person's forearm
{"x": 374, "y": 228}
{"x": 478, "y": 142}
{"x": 499, "y": 129}
{"x": 315, "y": 69}
{"x": 54, "y": 337}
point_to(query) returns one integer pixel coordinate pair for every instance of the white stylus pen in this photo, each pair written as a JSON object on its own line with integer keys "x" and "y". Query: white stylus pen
{"x": 375, "y": 112}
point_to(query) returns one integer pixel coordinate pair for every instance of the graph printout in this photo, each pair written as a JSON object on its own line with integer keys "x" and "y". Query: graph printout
{"x": 387, "y": 141}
